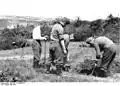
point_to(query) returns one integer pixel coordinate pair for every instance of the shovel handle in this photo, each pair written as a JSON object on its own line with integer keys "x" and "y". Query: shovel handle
{"x": 45, "y": 53}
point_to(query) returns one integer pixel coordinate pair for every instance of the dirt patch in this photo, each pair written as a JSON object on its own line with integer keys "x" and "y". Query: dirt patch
{"x": 88, "y": 65}
{"x": 13, "y": 70}
{"x": 115, "y": 67}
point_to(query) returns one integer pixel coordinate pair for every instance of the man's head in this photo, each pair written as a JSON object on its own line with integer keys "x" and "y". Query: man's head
{"x": 65, "y": 22}
{"x": 89, "y": 40}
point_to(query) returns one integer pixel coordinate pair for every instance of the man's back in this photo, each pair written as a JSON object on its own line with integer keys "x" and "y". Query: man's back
{"x": 36, "y": 32}
{"x": 104, "y": 41}
{"x": 57, "y": 30}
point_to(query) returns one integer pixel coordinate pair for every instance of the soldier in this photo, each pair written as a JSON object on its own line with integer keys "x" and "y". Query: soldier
{"x": 105, "y": 50}
{"x": 36, "y": 45}
{"x": 59, "y": 44}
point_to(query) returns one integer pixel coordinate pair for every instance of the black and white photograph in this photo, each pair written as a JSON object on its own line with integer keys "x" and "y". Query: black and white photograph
{"x": 59, "y": 41}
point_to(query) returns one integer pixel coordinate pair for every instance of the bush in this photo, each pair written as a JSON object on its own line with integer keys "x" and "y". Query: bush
{"x": 82, "y": 33}
{"x": 16, "y": 71}
{"x": 109, "y": 27}
{"x": 14, "y": 35}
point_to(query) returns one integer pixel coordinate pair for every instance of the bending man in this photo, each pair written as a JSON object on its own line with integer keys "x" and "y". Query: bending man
{"x": 36, "y": 45}
{"x": 105, "y": 50}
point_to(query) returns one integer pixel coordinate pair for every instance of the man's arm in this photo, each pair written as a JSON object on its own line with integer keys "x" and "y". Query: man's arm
{"x": 42, "y": 38}
{"x": 97, "y": 49}
{"x": 61, "y": 38}
{"x": 84, "y": 44}
{"x": 93, "y": 45}
{"x": 52, "y": 38}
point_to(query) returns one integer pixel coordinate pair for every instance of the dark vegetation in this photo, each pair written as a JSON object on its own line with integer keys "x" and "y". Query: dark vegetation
{"x": 15, "y": 71}
{"x": 88, "y": 65}
{"x": 81, "y": 29}
{"x": 22, "y": 71}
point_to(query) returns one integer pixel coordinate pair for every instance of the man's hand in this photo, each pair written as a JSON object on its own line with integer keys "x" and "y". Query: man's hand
{"x": 99, "y": 56}
{"x": 46, "y": 36}
{"x": 45, "y": 39}
{"x": 84, "y": 45}
{"x": 65, "y": 51}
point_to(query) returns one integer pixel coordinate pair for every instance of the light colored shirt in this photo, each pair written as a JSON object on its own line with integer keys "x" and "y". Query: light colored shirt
{"x": 36, "y": 34}
{"x": 57, "y": 31}
{"x": 103, "y": 42}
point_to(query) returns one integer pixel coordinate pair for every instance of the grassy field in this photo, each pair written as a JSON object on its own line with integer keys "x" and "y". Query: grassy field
{"x": 22, "y": 67}
{"x": 73, "y": 49}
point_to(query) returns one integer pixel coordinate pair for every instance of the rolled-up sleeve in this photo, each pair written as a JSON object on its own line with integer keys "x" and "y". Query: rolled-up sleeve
{"x": 36, "y": 33}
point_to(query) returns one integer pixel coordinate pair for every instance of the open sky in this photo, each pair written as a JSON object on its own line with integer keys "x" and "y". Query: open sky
{"x": 85, "y": 9}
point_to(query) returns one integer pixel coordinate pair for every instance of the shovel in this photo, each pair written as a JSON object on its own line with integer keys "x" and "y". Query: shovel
{"x": 97, "y": 64}
{"x": 45, "y": 54}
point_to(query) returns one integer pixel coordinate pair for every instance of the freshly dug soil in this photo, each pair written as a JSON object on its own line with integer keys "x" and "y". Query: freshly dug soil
{"x": 85, "y": 67}
{"x": 20, "y": 71}
{"x": 115, "y": 67}
{"x": 88, "y": 65}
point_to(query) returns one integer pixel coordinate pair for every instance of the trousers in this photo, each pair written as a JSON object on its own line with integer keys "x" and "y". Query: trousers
{"x": 108, "y": 56}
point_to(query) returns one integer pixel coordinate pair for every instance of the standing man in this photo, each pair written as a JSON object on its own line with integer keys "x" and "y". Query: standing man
{"x": 59, "y": 43}
{"x": 105, "y": 50}
{"x": 36, "y": 45}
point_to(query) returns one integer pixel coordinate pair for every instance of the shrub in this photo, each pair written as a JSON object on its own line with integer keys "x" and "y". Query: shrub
{"x": 82, "y": 33}
{"x": 109, "y": 27}
{"x": 16, "y": 71}
{"x": 8, "y": 36}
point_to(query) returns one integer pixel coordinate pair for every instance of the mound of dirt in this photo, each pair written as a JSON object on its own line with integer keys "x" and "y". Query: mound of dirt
{"x": 85, "y": 67}
{"x": 115, "y": 67}
{"x": 88, "y": 65}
